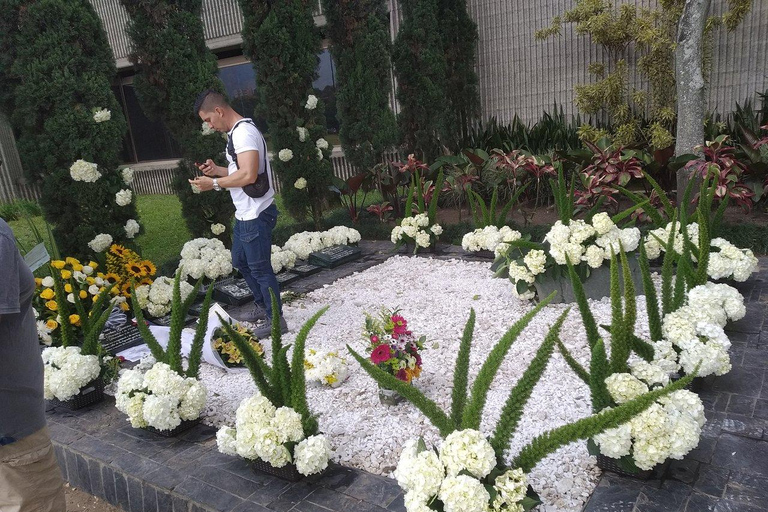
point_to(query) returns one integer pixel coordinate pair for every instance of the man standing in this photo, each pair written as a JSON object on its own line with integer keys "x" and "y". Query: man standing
{"x": 30, "y": 479}
{"x": 255, "y": 211}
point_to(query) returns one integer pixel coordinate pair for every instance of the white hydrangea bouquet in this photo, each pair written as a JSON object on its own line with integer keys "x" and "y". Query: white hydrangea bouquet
{"x": 166, "y": 397}
{"x": 67, "y": 371}
{"x": 325, "y": 367}
{"x": 421, "y": 228}
{"x": 275, "y": 436}
{"x": 156, "y": 298}
{"x": 587, "y": 245}
{"x": 490, "y": 238}
{"x": 268, "y": 424}
{"x": 205, "y": 257}
{"x": 304, "y": 243}
{"x": 730, "y": 261}
{"x": 282, "y": 259}
{"x": 471, "y": 472}
{"x": 417, "y": 230}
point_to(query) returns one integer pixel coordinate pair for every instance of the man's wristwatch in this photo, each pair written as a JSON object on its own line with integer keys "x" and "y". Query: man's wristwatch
{"x": 216, "y": 186}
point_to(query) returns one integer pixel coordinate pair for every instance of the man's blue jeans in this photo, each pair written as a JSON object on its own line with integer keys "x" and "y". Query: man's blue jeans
{"x": 252, "y": 256}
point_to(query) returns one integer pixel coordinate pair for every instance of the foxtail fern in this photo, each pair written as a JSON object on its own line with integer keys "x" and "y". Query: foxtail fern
{"x": 651, "y": 299}
{"x": 459, "y": 394}
{"x": 619, "y": 331}
{"x": 581, "y": 299}
{"x": 667, "y": 268}
{"x": 599, "y": 370}
{"x": 572, "y": 362}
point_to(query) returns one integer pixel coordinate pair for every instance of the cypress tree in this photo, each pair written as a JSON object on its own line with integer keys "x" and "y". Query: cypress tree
{"x": 420, "y": 68}
{"x": 459, "y": 36}
{"x": 9, "y": 28}
{"x": 282, "y": 41}
{"x": 361, "y": 50}
{"x": 63, "y": 67}
{"x": 173, "y": 67}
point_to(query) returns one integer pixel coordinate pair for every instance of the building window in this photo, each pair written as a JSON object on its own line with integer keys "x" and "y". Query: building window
{"x": 325, "y": 88}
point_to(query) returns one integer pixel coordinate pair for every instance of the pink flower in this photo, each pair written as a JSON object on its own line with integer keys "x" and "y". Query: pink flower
{"x": 381, "y": 354}
{"x": 401, "y": 325}
{"x": 374, "y": 339}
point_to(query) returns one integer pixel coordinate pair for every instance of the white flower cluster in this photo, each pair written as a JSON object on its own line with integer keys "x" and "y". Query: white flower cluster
{"x": 261, "y": 432}
{"x": 43, "y": 331}
{"x": 218, "y": 228}
{"x": 489, "y": 238}
{"x": 159, "y": 398}
{"x": 696, "y": 329}
{"x": 416, "y": 228}
{"x": 300, "y": 184}
{"x": 425, "y": 476}
{"x": 669, "y": 428}
{"x": 580, "y": 241}
{"x": 206, "y": 129}
{"x": 328, "y": 368}
{"x": 311, "y": 102}
{"x": 123, "y": 197}
{"x": 657, "y": 239}
{"x": 156, "y": 298}
{"x": 730, "y": 261}
{"x": 285, "y": 155}
{"x": 131, "y": 228}
{"x": 84, "y": 171}
{"x": 321, "y": 143}
{"x": 67, "y": 371}
{"x": 306, "y": 242}
{"x": 205, "y": 257}
{"x": 100, "y": 242}
{"x": 127, "y": 175}
{"x": 282, "y": 259}
{"x": 101, "y": 114}
{"x": 303, "y": 133}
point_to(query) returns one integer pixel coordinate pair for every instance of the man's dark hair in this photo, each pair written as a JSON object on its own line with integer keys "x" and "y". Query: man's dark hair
{"x": 208, "y": 100}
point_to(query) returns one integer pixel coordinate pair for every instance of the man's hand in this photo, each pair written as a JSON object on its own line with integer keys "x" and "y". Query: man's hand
{"x": 204, "y": 183}
{"x": 210, "y": 169}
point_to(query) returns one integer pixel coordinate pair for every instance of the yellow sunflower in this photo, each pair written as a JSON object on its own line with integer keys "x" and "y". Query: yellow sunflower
{"x": 149, "y": 267}
{"x": 146, "y": 280}
{"x": 135, "y": 270}
{"x": 117, "y": 250}
{"x": 125, "y": 289}
{"x": 112, "y": 278}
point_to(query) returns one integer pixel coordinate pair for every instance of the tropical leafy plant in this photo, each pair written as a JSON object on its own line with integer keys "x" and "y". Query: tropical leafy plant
{"x": 347, "y": 191}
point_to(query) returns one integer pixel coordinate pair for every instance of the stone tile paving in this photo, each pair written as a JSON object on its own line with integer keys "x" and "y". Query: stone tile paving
{"x": 728, "y": 471}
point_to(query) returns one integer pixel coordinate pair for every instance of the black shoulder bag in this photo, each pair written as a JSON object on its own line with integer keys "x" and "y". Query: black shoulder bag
{"x": 261, "y": 185}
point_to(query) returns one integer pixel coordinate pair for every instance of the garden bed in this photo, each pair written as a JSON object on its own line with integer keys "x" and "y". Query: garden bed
{"x": 435, "y": 296}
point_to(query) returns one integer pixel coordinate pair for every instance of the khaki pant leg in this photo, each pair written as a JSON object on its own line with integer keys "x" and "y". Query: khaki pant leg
{"x": 30, "y": 478}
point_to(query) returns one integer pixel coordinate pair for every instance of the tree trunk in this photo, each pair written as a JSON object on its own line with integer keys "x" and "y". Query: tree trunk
{"x": 691, "y": 105}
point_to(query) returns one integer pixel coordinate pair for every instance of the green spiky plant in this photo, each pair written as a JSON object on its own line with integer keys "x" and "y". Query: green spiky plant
{"x": 171, "y": 355}
{"x": 416, "y": 194}
{"x": 486, "y": 215}
{"x": 282, "y": 383}
{"x": 467, "y": 404}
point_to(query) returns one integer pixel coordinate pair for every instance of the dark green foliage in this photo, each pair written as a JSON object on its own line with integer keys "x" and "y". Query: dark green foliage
{"x": 572, "y": 362}
{"x": 667, "y": 268}
{"x": 459, "y": 394}
{"x": 282, "y": 41}
{"x": 543, "y": 445}
{"x": 521, "y": 392}
{"x": 593, "y": 336}
{"x": 563, "y": 195}
{"x": 599, "y": 370}
{"x": 486, "y": 215}
{"x": 420, "y": 68}
{"x": 173, "y": 66}
{"x": 360, "y": 45}
{"x": 18, "y": 209}
{"x": 458, "y": 33}
{"x": 9, "y": 23}
{"x": 62, "y": 70}
{"x": 281, "y": 384}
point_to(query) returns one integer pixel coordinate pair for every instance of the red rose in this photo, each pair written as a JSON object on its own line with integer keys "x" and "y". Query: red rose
{"x": 381, "y": 354}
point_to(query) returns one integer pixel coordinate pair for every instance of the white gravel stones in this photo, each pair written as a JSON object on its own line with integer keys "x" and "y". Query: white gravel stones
{"x": 435, "y": 297}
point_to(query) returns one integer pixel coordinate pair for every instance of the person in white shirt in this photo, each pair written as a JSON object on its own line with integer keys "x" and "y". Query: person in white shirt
{"x": 249, "y": 182}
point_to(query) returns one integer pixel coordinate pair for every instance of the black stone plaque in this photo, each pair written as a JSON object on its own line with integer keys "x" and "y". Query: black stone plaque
{"x": 332, "y": 257}
{"x": 220, "y": 281}
{"x": 117, "y": 340}
{"x": 283, "y": 278}
{"x": 165, "y": 321}
{"x": 306, "y": 270}
{"x": 235, "y": 292}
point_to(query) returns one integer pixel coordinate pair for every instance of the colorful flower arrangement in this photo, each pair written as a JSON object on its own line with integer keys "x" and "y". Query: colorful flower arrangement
{"x": 306, "y": 242}
{"x": 490, "y": 238}
{"x": 417, "y": 230}
{"x": 459, "y": 477}
{"x": 392, "y": 347}
{"x": 327, "y": 368}
{"x": 205, "y": 257}
{"x": 274, "y": 435}
{"x": 67, "y": 371}
{"x": 159, "y": 398}
{"x": 156, "y": 298}
{"x": 228, "y": 351}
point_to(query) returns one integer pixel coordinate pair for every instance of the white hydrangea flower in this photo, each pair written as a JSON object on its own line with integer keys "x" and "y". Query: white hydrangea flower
{"x": 536, "y": 261}
{"x": 205, "y": 257}
{"x": 649, "y": 373}
{"x": 623, "y": 387}
{"x": 127, "y": 174}
{"x": 303, "y": 133}
{"x": 319, "y": 154}
{"x": 602, "y": 223}
{"x": 101, "y": 114}
{"x": 131, "y": 228}
{"x": 615, "y": 442}
{"x": 100, "y": 242}
{"x": 300, "y": 184}
{"x": 321, "y": 143}
{"x": 511, "y": 488}
{"x": 311, "y": 102}
{"x": 467, "y": 450}
{"x": 218, "y": 228}
{"x": 285, "y": 155}
{"x": 84, "y": 171}
{"x": 226, "y": 440}
{"x": 206, "y": 129}
{"x": 66, "y": 371}
{"x": 311, "y": 455}
{"x": 123, "y": 197}
{"x": 463, "y": 493}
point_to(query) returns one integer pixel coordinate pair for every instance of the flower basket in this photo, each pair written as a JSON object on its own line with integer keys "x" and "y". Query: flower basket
{"x": 183, "y": 427}
{"x": 90, "y": 394}
{"x": 389, "y": 396}
{"x": 615, "y": 466}
{"x": 596, "y": 286}
{"x": 287, "y": 472}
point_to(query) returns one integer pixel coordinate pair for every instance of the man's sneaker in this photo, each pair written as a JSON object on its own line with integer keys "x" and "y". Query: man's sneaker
{"x": 255, "y": 314}
{"x": 265, "y": 330}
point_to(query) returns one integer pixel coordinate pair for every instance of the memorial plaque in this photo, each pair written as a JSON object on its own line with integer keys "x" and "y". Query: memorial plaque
{"x": 332, "y": 257}
{"x": 117, "y": 340}
{"x": 235, "y": 292}
{"x": 195, "y": 308}
{"x": 283, "y": 278}
{"x": 165, "y": 321}
{"x": 221, "y": 281}
{"x": 306, "y": 270}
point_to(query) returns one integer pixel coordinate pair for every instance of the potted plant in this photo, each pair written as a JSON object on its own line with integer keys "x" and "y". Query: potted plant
{"x": 227, "y": 350}
{"x": 167, "y": 399}
{"x": 274, "y": 428}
